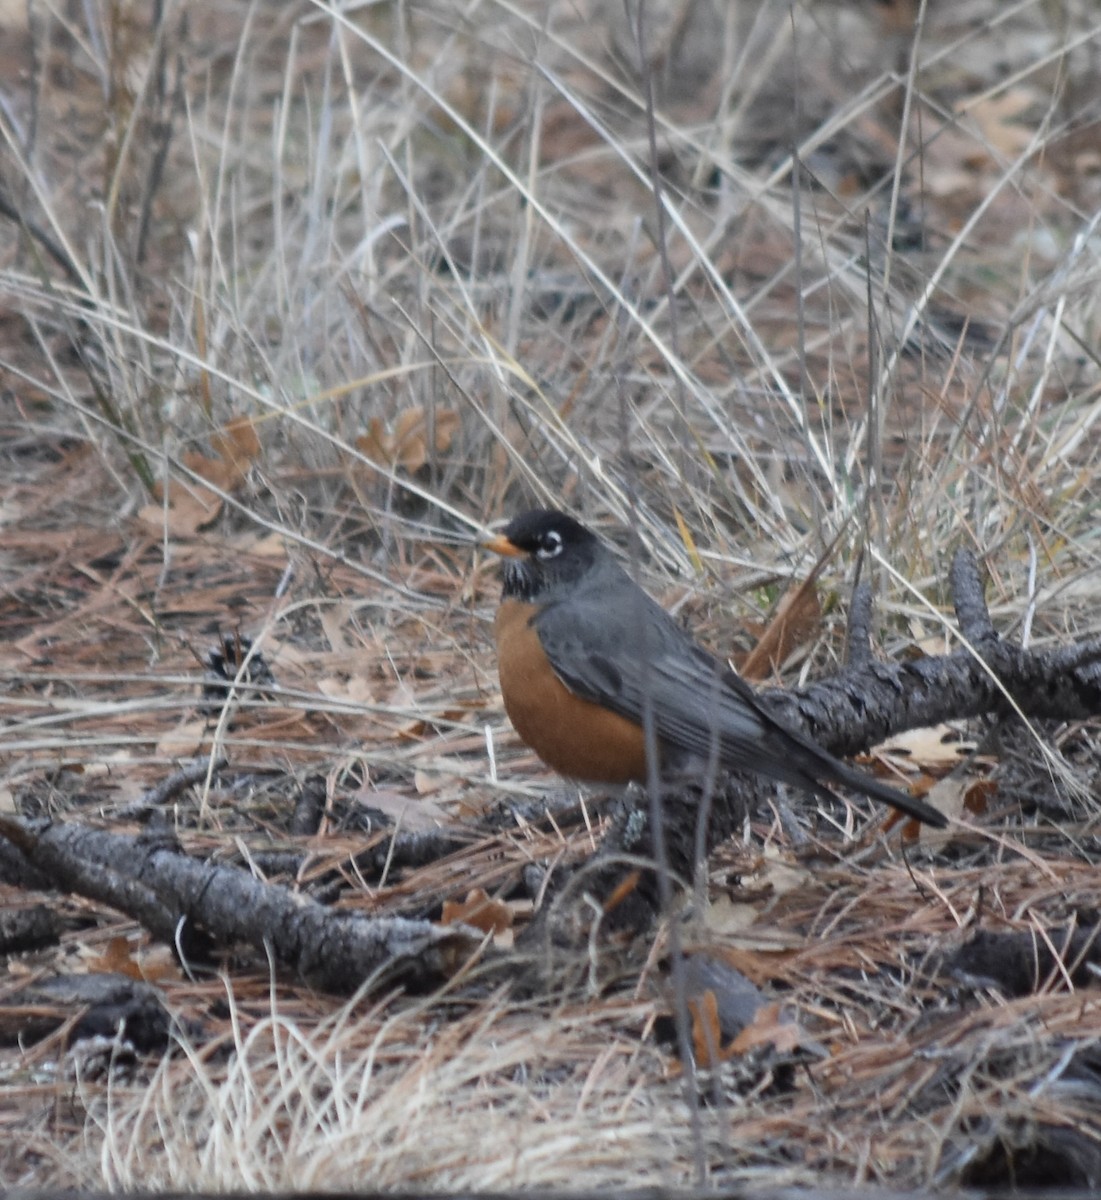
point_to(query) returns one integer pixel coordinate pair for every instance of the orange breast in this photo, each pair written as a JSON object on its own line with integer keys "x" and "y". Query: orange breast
{"x": 577, "y": 738}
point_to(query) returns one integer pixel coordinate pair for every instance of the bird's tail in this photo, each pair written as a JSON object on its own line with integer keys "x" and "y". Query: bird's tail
{"x": 868, "y": 785}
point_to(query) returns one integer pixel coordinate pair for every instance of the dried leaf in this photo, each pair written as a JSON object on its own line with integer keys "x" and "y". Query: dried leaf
{"x": 768, "y": 1028}
{"x": 797, "y": 620}
{"x": 441, "y": 773}
{"x": 727, "y": 916}
{"x": 947, "y": 797}
{"x": 976, "y": 798}
{"x": 480, "y": 910}
{"x": 407, "y": 445}
{"x": 216, "y": 471}
{"x": 116, "y": 959}
{"x": 191, "y": 507}
{"x": 996, "y": 117}
{"x": 376, "y": 444}
{"x": 352, "y": 687}
{"x": 957, "y": 798}
{"x": 237, "y": 444}
{"x": 935, "y": 748}
{"x": 136, "y": 960}
{"x": 413, "y": 814}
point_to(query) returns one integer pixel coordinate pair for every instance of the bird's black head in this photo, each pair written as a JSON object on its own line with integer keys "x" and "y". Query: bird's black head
{"x": 543, "y": 549}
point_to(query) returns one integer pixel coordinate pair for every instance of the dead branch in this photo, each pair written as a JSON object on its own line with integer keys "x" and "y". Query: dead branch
{"x": 870, "y": 700}
{"x": 184, "y": 902}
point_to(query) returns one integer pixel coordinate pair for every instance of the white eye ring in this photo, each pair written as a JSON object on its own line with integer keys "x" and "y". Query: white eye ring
{"x": 550, "y": 546}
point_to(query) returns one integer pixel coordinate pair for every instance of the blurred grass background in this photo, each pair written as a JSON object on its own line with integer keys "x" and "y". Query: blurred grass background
{"x": 445, "y": 261}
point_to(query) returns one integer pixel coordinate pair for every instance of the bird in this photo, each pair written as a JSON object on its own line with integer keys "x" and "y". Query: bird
{"x": 586, "y": 658}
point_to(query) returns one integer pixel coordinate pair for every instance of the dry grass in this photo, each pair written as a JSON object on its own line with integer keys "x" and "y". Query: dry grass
{"x": 340, "y": 286}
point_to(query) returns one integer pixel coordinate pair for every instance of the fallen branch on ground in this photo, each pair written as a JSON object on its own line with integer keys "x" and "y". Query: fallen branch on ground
{"x": 193, "y": 905}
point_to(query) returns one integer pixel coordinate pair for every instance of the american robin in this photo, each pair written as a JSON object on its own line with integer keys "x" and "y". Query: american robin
{"x": 585, "y": 656}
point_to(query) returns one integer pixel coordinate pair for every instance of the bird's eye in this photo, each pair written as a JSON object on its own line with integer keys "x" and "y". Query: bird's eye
{"x": 550, "y": 545}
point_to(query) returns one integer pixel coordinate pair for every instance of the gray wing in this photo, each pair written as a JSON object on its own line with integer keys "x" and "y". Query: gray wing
{"x": 697, "y": 702}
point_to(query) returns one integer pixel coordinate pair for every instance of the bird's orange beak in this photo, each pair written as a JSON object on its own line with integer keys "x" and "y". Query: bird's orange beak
{"x": 500, "y": 544}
